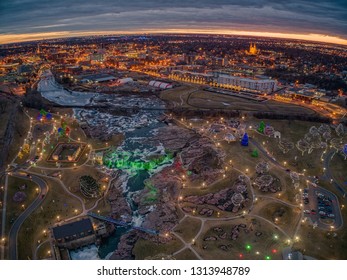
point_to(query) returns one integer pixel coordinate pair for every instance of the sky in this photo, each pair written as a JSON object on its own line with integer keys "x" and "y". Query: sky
{"x": 318, "y": 20}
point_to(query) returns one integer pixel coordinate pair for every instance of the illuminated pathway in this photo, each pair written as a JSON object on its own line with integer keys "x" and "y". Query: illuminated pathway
{"x": 13, "y": 235}
{"x": 3, "y": 223}
{"x": 188, "y": 245}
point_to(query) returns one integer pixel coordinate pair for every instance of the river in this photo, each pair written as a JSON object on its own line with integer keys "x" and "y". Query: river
{"x": 137, "y": 129}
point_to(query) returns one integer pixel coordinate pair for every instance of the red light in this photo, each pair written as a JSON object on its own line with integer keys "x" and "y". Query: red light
{"x": 241, "y": 256}
{"x": 274, "y": 251}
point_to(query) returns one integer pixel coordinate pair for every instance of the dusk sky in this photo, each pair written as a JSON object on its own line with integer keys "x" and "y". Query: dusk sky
{"x": 38, "y": 19}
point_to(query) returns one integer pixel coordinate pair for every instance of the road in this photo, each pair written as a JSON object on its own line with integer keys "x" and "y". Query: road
{"x": 13, "y": 235}
{"x": 329, "y": 175}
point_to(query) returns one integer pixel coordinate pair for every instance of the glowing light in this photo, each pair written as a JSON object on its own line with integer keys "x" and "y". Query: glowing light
{"x": 274, "y": 251}
{"x": 123, "y": 161}
{"x": 22, "y": 37}
{"x": 268, "y": 258}
{"x": 248, "y": 247}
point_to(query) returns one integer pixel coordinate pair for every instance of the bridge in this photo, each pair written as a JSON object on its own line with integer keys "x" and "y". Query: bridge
{"x": 122, "y": 224}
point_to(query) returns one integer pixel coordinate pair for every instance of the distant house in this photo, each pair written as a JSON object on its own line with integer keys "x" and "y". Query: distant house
{"x": 229, "y": 137}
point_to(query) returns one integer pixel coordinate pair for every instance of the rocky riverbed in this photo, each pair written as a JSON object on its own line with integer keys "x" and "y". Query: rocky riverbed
{"x": 157, "y": 201}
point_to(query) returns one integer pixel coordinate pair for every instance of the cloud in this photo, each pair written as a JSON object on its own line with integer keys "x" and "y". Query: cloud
{"x": 299, "y": 16}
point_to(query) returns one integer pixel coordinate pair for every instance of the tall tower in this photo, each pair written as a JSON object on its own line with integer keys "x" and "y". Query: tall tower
{"x": 253, "y": 49}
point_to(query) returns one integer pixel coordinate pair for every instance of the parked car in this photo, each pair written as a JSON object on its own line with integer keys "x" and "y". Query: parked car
{"x": 331, "y": 215}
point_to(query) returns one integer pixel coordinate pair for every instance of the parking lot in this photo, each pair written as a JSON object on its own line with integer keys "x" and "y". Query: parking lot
{"x": 321, "y": 207}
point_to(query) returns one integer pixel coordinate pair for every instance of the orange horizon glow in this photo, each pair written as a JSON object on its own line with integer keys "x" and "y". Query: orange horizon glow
{"x": 16, "y": 38}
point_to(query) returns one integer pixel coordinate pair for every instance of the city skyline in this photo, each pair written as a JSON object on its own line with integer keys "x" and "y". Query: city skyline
{"x": 321, "y": 21}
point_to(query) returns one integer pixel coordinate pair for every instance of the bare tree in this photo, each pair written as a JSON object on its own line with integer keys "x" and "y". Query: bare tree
{"x": 340, "y": 130}
{"x": 303, "y": 146}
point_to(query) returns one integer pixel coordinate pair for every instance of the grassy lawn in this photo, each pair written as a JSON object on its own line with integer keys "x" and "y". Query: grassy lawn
{"x": 178, "y": 94}
{"x": 14, "y": 209}
{"x": 56, "y": 203}
{"x": 288, "y": 192}
{"x": 322, "y": 244}
{"x": 294, "y": 131}
{"x": 246, "y": 246}
{"x": 220, "y": 184}
{"x": 145, "y": 248}
{"x": 21, "y": 127}
{"x": 103, "y": 208}
{"x": 78, "y": 133}
{"x": 188, "y": 228}
{"x": 282, "y": 215}
{"x": 338, "y": 166}
{"x": 210, "y": 100}
{"x": 187, "y": 254}
{"x": 43, "y": 251}
{"x": 71, "y": 177}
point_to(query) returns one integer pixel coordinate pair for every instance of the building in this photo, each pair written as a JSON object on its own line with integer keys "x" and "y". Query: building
{"x": 124, "y": 81}
{"x": 99, "y": 157}
{"x": 190, "y": 58}
{"x": 246, "y": 83}
{"x": 252, "y": 49}
{"x": 25, "y": 69}
{"x": 74, "y": 235}
{"x": 158, "y": 84}
{"x": 257, "y": 84}
{"x": 191, "y": 77}
{"x": 96, "y": 57}
{"x": 97, "y": 78}
{"x": 219, "y": 61}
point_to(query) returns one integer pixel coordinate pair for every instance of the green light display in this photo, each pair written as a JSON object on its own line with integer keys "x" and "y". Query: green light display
{"x": 123, "y": 160}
